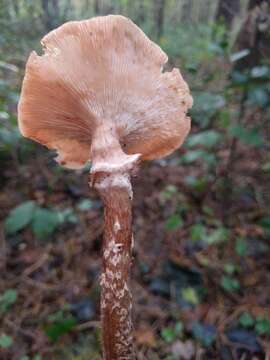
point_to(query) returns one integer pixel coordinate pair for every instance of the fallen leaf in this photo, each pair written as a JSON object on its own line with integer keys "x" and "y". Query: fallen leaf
{"x": 145, "y": 336}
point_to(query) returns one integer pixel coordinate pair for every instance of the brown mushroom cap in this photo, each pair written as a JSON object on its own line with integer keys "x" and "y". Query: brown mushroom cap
{"x": 103, "y": 73}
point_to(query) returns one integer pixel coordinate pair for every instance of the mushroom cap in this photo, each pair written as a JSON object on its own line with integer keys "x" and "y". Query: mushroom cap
{"x": 103, "y": 72}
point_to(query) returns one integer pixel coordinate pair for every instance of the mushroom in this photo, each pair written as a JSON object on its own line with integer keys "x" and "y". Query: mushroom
{"x": 99, "y": 93}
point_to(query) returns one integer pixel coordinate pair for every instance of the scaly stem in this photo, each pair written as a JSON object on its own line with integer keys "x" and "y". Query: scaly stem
{"x": 111, "y": 178}
{"x": 115, "y": 294}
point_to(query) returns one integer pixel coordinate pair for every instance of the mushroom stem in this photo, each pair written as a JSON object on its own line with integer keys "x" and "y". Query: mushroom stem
{"x": 116, "y": 299}
{"x": 114, "y": 187}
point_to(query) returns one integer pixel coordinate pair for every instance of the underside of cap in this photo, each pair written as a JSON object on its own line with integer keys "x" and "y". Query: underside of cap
{"x": 102, "y": 71}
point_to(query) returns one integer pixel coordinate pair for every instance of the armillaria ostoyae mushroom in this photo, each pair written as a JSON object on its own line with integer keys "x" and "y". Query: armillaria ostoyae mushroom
{"x": 98, "y": 93}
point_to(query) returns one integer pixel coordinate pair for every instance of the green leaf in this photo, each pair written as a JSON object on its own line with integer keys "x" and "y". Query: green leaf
{"x": 224, "y": 118}
{"x": 58, "y": 316}
{"x": 67, "y": 215}
{"x": 25, "y": 357}
{"x": 45, "y": 222}
{"x": 85, "y": 204}
{"x": 20, "y": 217}
{"x": 217, "y": 236}
{"x": 207, "y": 138}
{"x": 198, "y": 232}
{"x": 59, "y": 328}
{"x": 174, "y": 222}
{"x": 230, "y": 284}
{"x": 190, "y": 295}
{"x": 208, "y": 210}
{"x": 179, "y": 326}
{"x": 205, "y": 106}
{"x": 37, "y": 357}
{"x": 8, "y": 298}
{"x": 247, "y": 136}
{"x": 246, "y": 320}
{"x": 194, "y": 155}
{"x": 229, "y": 268}
{"x": 262, "y": 326}
{"x": 198, "y": 183}
{"x": 265, "y": 223}
{"x": 239, "y": 78}
{"x": 9, "y": 137}
{"x": 168, "y": 334}
{"x": 241, "y": 247}
{"x": 239, "y": 55}
{"x": 169, "y": 192}
{"x": 258, "y": 96}
{"x": 266, "y": 166}
{"x": 260, "y": 72}
{"x": 5, "y": 341}
{"x": 4, "y": 115}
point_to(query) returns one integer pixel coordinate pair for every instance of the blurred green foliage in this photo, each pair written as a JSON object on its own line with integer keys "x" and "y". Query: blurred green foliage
{"x": 169, "y": 334}
{"x": 43, "y": 222}
{"x": 7, "y": 299}
{"x": 5, "y": 341}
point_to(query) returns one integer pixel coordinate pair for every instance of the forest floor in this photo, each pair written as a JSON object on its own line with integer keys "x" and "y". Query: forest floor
{"x": 200, "y": 273}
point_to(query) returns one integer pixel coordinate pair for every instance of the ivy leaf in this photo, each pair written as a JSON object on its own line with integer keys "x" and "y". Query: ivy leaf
{"x": 246, "y": 320}
{"x": 198, "y": 232}
{"x": 198, "y": 183}
{"x": 247, "y": 136}
{"x": 258, "y": 96}
{"x": 44, "y": 222}
{"x": 5, "y": 341}
{"x": 262, "y": 326}
{"x": 229, "y": 268}
{"x": 266, "y": 166}
{"x": 20, "y": 217}
{"x": 174, "y": 222}
{"x": 207, "y": 138}
{"x": 85, "y": 205}
{"x": 206, "y": 104}
{"x": 241, "y": 247}
{"x": 8, "y": 298}
{"x": 66, "y": 215}
{"x": 168, "y": 334}
{"x": 265, "y": 223}
{"x": 194, "y": 155}
{"x": 37, "y": 357}
{"x": 59, "y": 328}
{"x": 230, "y": 284}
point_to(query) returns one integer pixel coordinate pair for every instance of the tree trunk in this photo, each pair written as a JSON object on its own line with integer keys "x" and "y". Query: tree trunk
{"x": 254, "y": 35}
{"x": 141, "y": 12}
{"x": 51, "y": 13}
{"x": 46, "y": 15}
{"x": 67, "y": 9}
{"x": 16, "y": 7}
{"x": 227, "y": 10}
{"x": 206, "y": 10}
{"x": 159, "y": 16}
{"x": 110, "y": 176}
{"x": 253, "y": 3}
{"x": 186, "y": 12}
{"x": 97, "y": 7}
